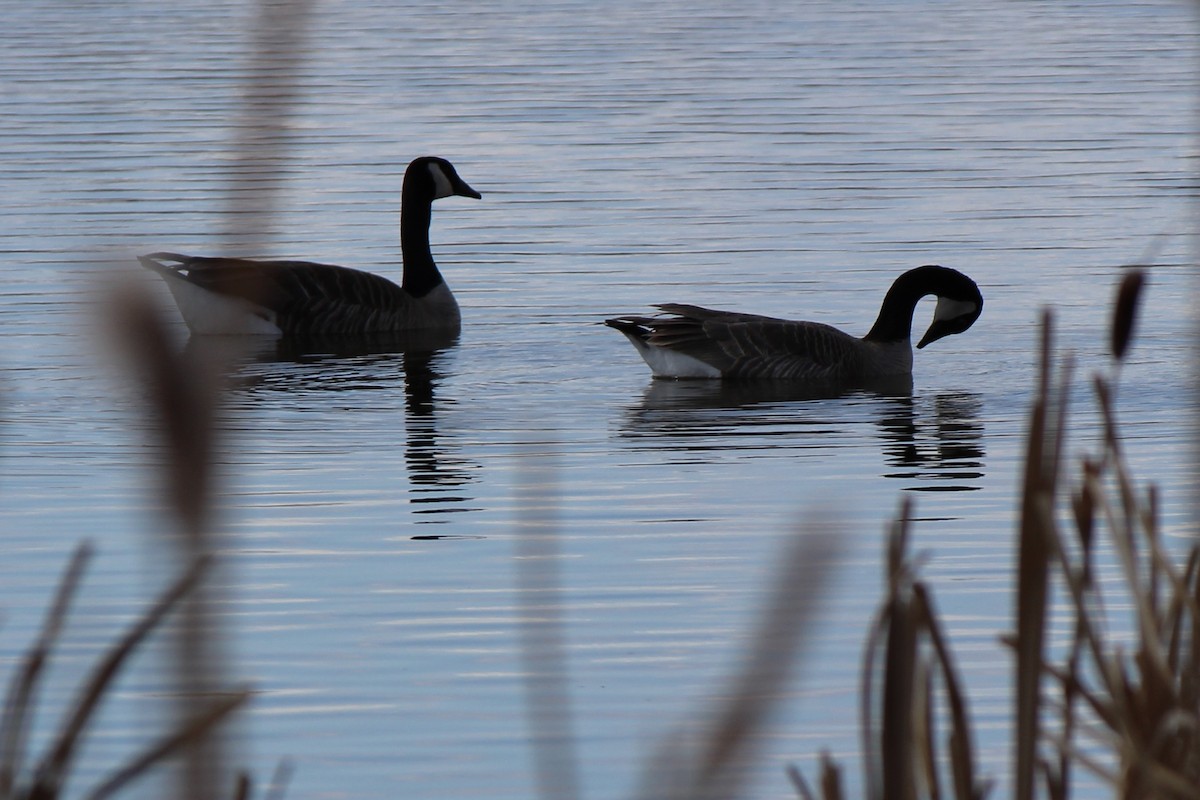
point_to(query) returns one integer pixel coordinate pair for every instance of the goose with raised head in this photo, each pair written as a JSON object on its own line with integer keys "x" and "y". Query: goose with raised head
{"x": 302, "y": 298}
{"x": 695, "y": 342}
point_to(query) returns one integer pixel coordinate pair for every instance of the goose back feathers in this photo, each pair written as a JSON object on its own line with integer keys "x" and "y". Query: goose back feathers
{"x": 245, "y": 296}
{"x": 695, "y": 342}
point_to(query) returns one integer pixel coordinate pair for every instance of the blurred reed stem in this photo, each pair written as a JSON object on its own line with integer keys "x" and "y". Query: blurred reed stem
{"x": 712, "y": 759}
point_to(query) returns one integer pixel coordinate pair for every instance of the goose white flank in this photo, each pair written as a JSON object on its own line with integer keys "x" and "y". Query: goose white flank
{"x": 694, "y": 342}
{"x": 303, "y": 298}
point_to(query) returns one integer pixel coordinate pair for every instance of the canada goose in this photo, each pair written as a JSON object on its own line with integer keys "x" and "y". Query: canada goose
{"x": 244, "y": 296}
{"x": 699, "y": 342}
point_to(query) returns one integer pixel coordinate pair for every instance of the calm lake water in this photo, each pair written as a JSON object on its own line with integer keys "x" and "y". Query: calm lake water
{"x": 785, "y": 159}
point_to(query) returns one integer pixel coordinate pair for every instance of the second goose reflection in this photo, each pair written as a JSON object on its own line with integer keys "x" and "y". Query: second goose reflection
{"x": 286, "y": 392}
{"x": 933, "y": 441}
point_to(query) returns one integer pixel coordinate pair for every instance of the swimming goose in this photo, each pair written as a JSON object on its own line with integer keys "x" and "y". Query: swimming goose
{"x": 244, "y": 296}
{"x": 696, "y": 342}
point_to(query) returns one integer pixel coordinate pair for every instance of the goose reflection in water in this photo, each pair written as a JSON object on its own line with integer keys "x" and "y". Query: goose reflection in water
{"x": 934, "y": 440}
{"x": 311, "y": 369}
{"x": 945, "y": 453}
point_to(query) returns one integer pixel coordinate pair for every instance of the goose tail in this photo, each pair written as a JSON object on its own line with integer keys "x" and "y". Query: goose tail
{"x": 633, "y": 327}
{"x": 159, "y": 262}
{"x": 204, "y": 307}
{"x": 664, "y": 362}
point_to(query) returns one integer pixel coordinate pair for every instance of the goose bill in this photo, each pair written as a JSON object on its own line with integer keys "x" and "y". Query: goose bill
{"x": 447, "y": 183}
{"x": 950, "y": 317}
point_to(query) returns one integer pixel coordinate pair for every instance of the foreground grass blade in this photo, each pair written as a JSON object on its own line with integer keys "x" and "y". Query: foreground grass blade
{"x": 19, "y": 703}
{"x": 50, "y": 774}
{"x": 171, "y": 745}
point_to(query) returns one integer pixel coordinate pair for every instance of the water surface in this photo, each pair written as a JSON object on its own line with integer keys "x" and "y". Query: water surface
{"x": 782, "y": 160}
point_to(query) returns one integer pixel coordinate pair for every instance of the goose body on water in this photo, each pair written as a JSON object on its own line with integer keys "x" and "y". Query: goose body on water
{"x": 695, "y": 342}
{"x": 302, "y": 298}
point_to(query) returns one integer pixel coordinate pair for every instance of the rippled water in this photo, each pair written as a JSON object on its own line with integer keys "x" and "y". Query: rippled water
{"x": 783, "y": 160}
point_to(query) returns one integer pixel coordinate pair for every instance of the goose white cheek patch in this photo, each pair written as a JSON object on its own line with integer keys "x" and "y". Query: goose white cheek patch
{"x": 952, "y": 309}
{"x": 441, "y": 183}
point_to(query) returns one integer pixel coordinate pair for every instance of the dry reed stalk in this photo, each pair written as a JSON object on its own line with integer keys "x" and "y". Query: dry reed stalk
{"x": 1125, "y": 312}
{"x": 831, "y": 780}
{"x": 46, "y": 779}
{"x": 1141, "y": 706}
{"x": 543, "y": 651}
{"x": 1036, "y": 549}
{"x": 262, "y": 131}
{"x": 965, "y": 782}
{"x": 910, "y": 683}
{"x": 18, "y": 705}
{"x": 280, "y": 780}
{"x": 181, "y": 397}
{"x": 918, "y": 661}
{"x": 182, "y": 394}
{"x": 192, "y": 731}
{"x": 50, "y": 774}
{"x": 1145, "y": 701}
{"x": 713, "y": 762}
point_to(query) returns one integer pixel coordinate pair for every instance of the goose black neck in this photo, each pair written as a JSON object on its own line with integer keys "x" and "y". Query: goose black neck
{"x": 894, "y": 323}
{"x": 421, "y": 275}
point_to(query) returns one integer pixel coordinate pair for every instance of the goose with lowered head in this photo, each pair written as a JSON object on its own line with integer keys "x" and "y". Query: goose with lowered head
{"x": 695, "y": 342}
{"x": 302, "y": 298}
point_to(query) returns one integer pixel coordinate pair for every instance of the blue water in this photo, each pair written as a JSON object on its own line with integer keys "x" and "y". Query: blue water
{"x": 782, "y": 160}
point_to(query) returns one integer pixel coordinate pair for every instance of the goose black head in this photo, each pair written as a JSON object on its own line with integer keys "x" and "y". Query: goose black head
{"x": 436, "y": 178}
{"x": 959, "y": 302}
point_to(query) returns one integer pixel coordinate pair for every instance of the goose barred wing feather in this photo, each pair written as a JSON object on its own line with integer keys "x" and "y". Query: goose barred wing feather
{"x": 753, "y": 346}
{"x": 298, "y": 296}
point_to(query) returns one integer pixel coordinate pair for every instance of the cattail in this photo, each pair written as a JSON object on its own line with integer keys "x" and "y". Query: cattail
{"x": 1125, "y": 313}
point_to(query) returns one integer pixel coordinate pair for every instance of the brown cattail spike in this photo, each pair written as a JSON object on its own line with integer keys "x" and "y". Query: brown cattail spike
{"x": 1125, "y": 313}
